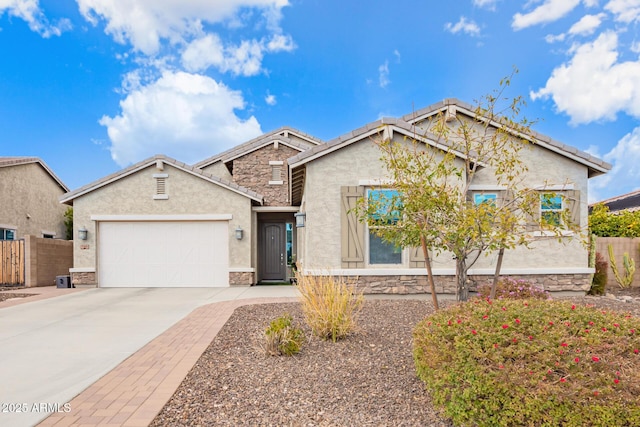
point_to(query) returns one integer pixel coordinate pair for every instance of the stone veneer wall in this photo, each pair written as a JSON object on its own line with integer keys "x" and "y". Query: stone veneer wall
{"x": 254, "y": 172}
{"x": 414, "y": 284}
{"x": 241, "y": 279}
{"x": 83, "y": 279}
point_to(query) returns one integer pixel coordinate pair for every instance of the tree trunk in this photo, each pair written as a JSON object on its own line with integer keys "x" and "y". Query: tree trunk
{"x": 427, "y": 263}
{"x": 462, "y": 290}
{"x": 496, "y": 275}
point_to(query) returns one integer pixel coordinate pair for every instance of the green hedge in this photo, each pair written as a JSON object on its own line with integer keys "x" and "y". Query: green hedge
{"x": 517, "y": 363}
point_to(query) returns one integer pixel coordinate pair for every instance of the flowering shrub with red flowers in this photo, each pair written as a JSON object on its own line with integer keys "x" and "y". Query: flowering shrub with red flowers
{"x": 508, "y": 287}
{"x": 536, "y": 362}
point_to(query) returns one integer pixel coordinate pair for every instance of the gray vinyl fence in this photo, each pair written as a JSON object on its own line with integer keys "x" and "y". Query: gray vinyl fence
{"x": 630, "y": 245}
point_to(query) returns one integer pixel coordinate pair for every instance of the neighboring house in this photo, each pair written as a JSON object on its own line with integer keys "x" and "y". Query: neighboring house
{"x": 231, "y": 219}
{"x": 624, "y": 202}
{"x": 29, "y": 191}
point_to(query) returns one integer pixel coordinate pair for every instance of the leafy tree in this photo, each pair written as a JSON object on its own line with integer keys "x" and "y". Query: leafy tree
{"x": 603, "y": 223}
{"x": 432, "y": 208}
{"x": 68, "y": 223}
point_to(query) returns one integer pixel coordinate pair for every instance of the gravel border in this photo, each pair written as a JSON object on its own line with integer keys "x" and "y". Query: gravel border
{"x": 368, "y": 379}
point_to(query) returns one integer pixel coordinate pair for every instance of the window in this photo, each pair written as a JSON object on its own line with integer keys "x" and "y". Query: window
{"x": 479, "y": 198}
{"x": 7, "y": 234}
{"x": 551, "y": 208}
{"x": 381, "y": 252}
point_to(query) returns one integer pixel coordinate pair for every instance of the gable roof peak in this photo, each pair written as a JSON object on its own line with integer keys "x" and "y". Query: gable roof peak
{"x": 23, "y": 160}
{"x": 67, "y": 198}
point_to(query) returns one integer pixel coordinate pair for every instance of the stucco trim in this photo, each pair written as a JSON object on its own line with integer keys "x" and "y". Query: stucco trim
{"x": 275, "y": 209}
{"x": 82, "y": 270}
{"x": 374, "y": 182}
{"x": 15, "y": 227}
{"x": 482, "y": 187}
{"x": 555, "y": 187}
{"x": 445, "y": 271}
{"x": 242, "y": 270}
{"x": 204, "y": 217}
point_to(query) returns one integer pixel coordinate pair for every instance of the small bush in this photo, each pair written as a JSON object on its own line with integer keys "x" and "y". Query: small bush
{"x": 330, "y": 305}
{"x": 282, "y": 338}
{"x": 508, "y": 287}
{"x": 599, "y": 282}
{"x": 514, "y": 362}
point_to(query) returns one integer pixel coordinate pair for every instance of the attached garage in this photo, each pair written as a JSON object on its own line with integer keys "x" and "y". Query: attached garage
{"x": 163, "y": 253}
{"x": 161, "y": 223}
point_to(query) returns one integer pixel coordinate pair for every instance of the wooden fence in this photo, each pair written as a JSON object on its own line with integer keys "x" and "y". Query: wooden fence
{"x": 630, "y": 245}
{"x": 12, "y": 263}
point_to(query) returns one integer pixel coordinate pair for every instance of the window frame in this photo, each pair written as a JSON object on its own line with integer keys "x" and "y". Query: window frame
{"x": 368, "y": 234}
{"x": 552, "y": 210}
{"x": 4, "y": 231}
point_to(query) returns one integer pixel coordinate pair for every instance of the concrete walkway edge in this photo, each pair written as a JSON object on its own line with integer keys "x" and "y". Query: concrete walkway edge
{"x": 134, "y": 392}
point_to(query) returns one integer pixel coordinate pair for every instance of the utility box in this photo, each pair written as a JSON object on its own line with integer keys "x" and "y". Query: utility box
{"x": 63, "y": 281}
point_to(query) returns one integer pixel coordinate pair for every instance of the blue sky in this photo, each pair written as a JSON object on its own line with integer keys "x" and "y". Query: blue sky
{"x": 92, "y": 86}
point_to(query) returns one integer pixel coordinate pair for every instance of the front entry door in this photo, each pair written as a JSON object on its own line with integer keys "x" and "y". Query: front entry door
{"x": 273, "y": 251}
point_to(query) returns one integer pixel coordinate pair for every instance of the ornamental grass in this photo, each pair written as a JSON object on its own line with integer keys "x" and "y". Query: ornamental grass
{"x": 538, "y": 362}
{"x": 330, "y": 305}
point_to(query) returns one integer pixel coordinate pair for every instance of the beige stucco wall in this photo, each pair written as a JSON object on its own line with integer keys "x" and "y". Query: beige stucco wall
{"x": 30, "y": 201}
{"x": 188, "y": 194}
{"x": 360, "y": 162}
{"x": 218, "y": 169}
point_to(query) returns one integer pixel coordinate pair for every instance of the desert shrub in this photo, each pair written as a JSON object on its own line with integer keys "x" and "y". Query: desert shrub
{"x": 282, "y": 337}
{"x": 330, "y": 305}
{"x": 599, "y": 282}
{"x": 508, "y": 287}
{"x": 515, "y": 363}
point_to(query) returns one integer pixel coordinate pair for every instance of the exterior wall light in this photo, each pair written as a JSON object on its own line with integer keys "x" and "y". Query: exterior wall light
{"x": 82, "y": 233}
{"x": 301, "y": 218}
{"x": 239, "y": 232}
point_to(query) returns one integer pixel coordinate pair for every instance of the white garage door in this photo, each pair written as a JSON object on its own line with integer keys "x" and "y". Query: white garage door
{"x": 163, "y": 254}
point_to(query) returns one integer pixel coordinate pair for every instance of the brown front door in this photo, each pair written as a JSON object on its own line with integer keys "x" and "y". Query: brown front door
{"x": 273, "y": 251}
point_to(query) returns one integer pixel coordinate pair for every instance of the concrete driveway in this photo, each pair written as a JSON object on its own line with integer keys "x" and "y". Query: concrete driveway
{"x": 51, "y": 350}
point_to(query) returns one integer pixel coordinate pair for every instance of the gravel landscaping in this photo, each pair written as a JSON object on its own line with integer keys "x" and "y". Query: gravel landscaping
{"x": 367, "y": 379}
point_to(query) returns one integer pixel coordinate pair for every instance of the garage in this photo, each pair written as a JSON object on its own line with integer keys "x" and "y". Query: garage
{"x": 163, "y": 253}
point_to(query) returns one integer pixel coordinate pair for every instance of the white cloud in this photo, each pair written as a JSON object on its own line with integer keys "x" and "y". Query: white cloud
{"x": 202, "y": 53}
{"x": 624, "y": 10}
{"x": 280, "y": 43}
{"x": 145, "y": 23}
{"x": 587, "y": 25}
{"x": 183, "y": 115}
{"x": 625, "y": 159}
{"x": 270, "y": 99}
{"x": 464, "y": 25}
{"x": 487, "y": 4}
{"x": 549, "y": 11}
{"x": 550, "y": 38}
{"x": 396, "y": 53}
{"x": 593, "y": 85}
{"x": 30, "y": 12}
{"x": 383, "y": 74}
{"x": 243, "y": 59}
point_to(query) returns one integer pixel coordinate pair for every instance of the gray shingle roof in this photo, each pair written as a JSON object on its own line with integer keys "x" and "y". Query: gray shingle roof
{"x": 596, "y": 166}
{"x": 167, "y": 160}
{"x": 262, "y": 140}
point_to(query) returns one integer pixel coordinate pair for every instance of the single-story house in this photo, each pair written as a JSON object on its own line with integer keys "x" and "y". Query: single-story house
{"x": 243, "y": 216}
{"x": 29, "y": 191}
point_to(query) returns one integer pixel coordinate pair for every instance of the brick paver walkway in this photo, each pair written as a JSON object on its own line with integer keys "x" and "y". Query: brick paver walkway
{"x": 135, "y": 391}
